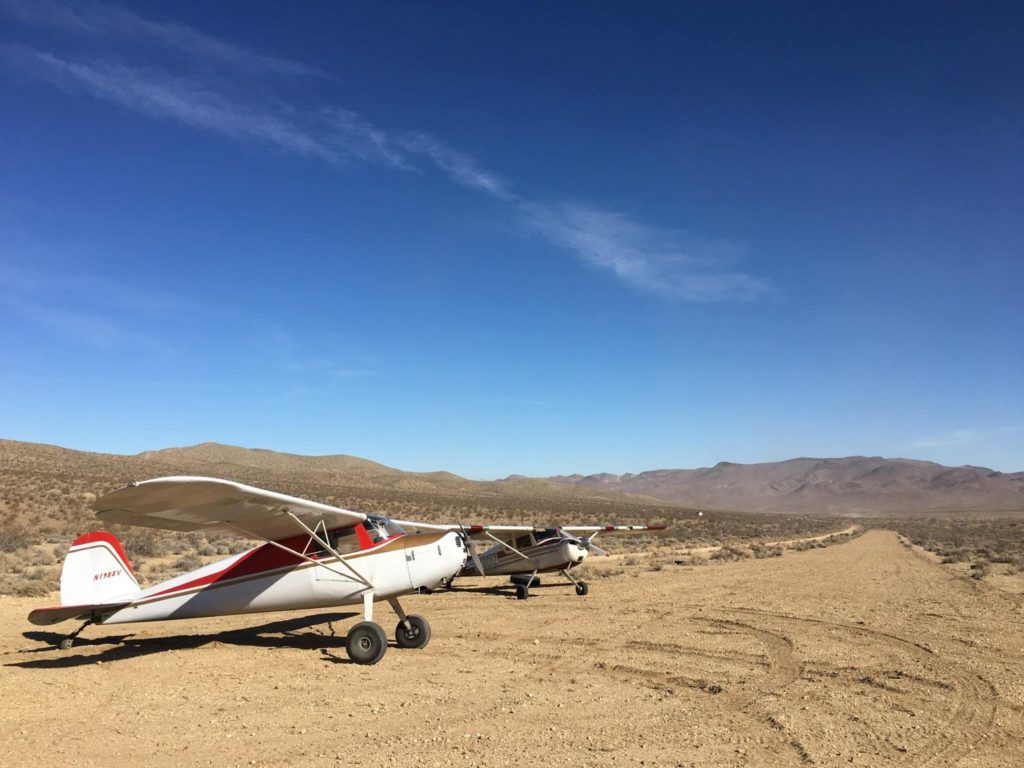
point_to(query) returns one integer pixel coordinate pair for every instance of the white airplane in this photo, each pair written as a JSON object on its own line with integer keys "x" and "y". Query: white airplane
{"x": 523, "y": 551}
{"x": 313, "y": 556}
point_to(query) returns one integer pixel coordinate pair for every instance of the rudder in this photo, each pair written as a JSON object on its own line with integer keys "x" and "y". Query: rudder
{"x": 96, "y": 571}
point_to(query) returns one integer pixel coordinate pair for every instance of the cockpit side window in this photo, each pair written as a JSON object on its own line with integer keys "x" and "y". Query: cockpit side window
{"x": 547, "y": 533}
{"x": 377, "y": 532}
{"x": 344, "y": 540}
{"x": 524, "y": 541}
{"x": 380, "y": 528}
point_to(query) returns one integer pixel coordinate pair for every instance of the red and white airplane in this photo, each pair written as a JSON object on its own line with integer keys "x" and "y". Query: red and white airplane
{"x": 313, "y": 556}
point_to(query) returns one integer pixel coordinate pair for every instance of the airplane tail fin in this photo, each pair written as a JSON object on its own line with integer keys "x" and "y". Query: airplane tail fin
{"x": 96, "y": 581}
{"x": 96, "y": 571}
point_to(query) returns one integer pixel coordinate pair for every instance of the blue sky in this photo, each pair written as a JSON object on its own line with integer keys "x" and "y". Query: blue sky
{"x": 515, "y": 238}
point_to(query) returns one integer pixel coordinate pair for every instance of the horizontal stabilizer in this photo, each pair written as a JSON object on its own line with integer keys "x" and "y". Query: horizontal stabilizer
{"x": 47, "y": 616}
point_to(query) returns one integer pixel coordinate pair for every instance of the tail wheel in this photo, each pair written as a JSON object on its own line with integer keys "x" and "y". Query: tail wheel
{"x": 366, "y": 643}
{"x": 416, "y": 635}
{"x": 582, "y": 588}
{"x": 522, "y": 591}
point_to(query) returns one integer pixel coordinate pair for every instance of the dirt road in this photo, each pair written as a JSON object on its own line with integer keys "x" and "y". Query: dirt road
{"x": 862, "y": 653}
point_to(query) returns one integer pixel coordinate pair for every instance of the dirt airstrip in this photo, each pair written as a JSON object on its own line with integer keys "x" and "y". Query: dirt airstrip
{"x": 864, "y": 653}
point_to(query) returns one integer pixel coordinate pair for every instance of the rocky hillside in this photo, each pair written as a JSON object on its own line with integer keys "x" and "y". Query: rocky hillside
{"x": 857, "y": 485}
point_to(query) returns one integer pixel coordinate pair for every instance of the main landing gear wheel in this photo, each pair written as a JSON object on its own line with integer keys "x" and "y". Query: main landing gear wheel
{"x": 522, "y": 591}
{"x": 366, "y": 643}
{"x": 417, "y": 635}
{"x": 517, "y": 579}
{"x": 582, "y": 588}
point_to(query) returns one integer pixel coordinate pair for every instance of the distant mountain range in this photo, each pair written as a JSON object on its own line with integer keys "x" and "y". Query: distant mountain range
{"x": 856, "y": 485}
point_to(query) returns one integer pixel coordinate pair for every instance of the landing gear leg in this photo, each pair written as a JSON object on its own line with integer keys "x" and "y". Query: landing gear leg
{"x": 68, "y": 641}
{"x": 581, "y": 586}
{"x": 412, "y": 631}
{"x": 366, "y": 642}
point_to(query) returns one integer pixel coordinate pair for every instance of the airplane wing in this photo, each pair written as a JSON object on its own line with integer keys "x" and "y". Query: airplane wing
{"x": 470, "y": 529}
{"x": 477, "y": 529}
{"x": 612, "y": 528}
{"x": 205, "y": 503}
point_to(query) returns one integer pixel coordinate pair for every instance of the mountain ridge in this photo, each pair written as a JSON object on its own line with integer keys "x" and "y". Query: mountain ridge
{"x": 844, "y": 486}
{"x": 857, "y": 485}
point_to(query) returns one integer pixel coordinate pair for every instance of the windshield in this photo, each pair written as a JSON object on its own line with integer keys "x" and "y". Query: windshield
{"x": 380, "y": 528}
{"x": 547, "y": 533}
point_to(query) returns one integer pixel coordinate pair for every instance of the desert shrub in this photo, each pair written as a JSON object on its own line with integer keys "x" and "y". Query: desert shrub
{"x": 188, "y": 562}
{"x": 144, "y": 542}
{"x": 730, "y": 552}
{"x": 980, "y": 569}
{"x": 803, "y": 546}
{"x": 761, "y": 551}
{"x": 15, "y": 535}
{"x": 606, "y": 573}
{"x": 42, "y": 557}
{"x": 691, "y": 560}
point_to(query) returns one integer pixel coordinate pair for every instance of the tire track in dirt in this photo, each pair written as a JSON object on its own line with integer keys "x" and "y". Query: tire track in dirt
{"x": 972, "y": 698}
{"x": 783, "y": 670}
{"x": 779, "y": 663}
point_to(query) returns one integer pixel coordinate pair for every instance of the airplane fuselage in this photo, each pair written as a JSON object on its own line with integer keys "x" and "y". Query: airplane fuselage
{"x": 553, "y": 554}
{"x": 269, "y": 578}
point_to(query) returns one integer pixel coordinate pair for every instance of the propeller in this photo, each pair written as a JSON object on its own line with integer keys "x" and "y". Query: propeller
{"x": 471, "y": 548}
{"x": 589, "y": 545}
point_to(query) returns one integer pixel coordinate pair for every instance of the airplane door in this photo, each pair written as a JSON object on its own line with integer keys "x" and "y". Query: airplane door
{"x": 409, "y": 553}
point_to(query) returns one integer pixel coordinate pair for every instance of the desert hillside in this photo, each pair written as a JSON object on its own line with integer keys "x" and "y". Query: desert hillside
{"x": 45, "y": 493}
{"x": 856, "y": 485}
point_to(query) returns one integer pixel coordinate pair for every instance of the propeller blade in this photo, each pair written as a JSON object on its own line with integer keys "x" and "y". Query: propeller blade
{"x": 590, "y": 546}
{"x": 471, "y": 547}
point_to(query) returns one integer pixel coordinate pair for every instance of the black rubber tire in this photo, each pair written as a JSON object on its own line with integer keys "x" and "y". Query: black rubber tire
{"x": 418, "y": 638}
{"x": 366, "y": 643}
{"x": 582, "y": 588}
{"x": 525, "y": 580}
{"x": 522, "y": 591}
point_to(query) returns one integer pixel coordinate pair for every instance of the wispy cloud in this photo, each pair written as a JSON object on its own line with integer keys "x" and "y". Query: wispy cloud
{"x": 99, "y": 20}
{"x": 165, "y": 96}
{"x": 666, "y": 263}
{"x": 459, "y": 166}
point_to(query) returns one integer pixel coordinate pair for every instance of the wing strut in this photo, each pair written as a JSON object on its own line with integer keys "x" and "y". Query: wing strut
{"x": 323, "y": 543}
{"x": 307, "y": 558}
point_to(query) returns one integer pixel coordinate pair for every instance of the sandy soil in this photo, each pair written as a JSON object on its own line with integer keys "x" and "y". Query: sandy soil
{"x": 863, "y": 653}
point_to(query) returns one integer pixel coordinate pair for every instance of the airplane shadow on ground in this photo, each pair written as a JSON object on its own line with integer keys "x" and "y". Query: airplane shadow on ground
{"x": 276, "y": 634}
{"x": 508, "y": 591}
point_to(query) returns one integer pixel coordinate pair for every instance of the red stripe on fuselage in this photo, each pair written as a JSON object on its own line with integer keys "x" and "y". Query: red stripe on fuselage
{"x": 263, "y": 559}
